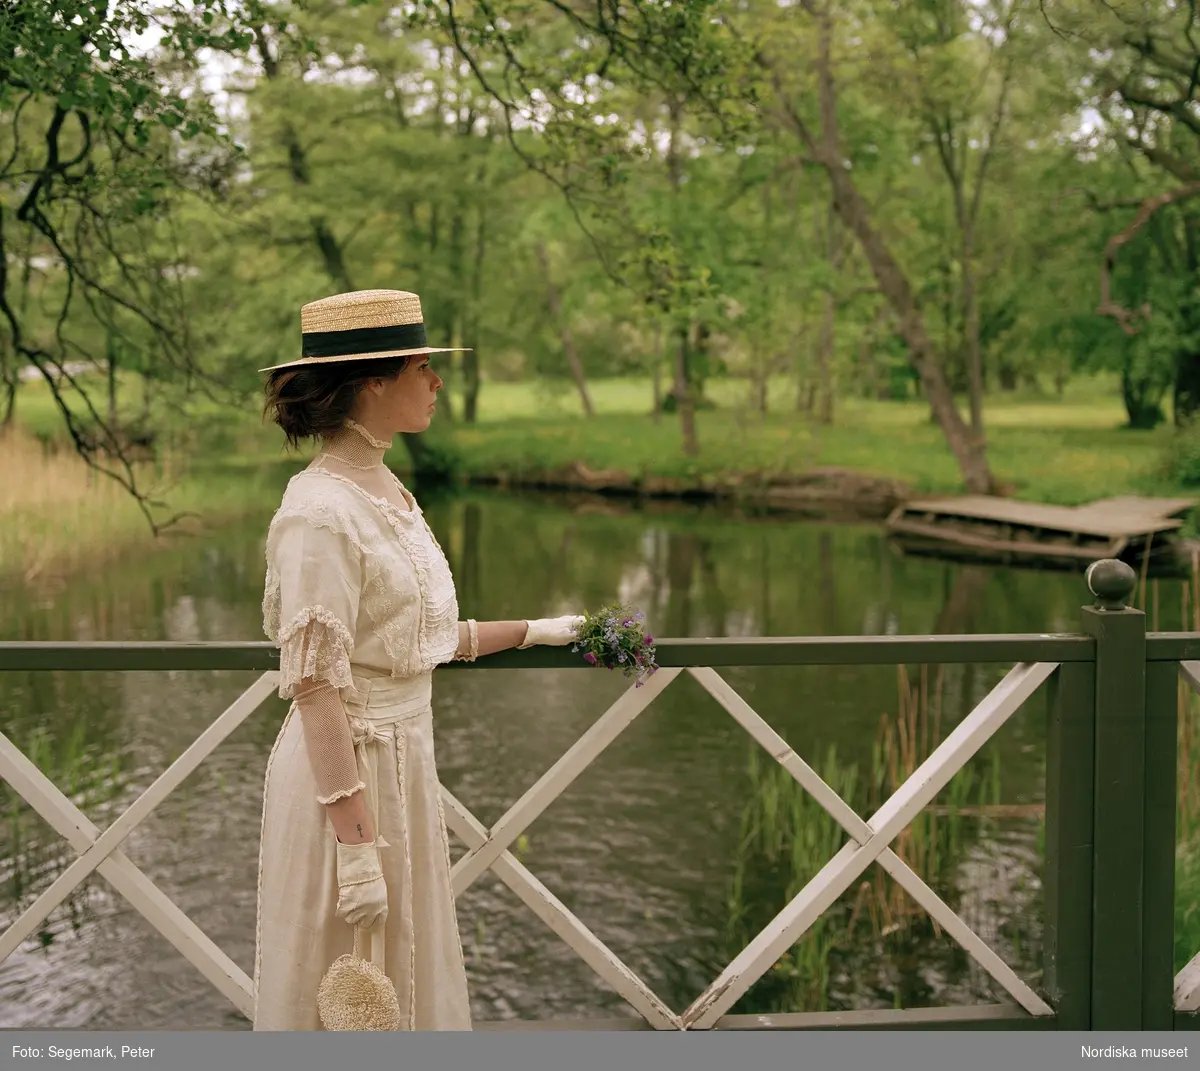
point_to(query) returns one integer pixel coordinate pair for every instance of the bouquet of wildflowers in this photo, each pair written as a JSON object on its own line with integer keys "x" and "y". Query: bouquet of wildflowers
{"x": 616, "y": 638}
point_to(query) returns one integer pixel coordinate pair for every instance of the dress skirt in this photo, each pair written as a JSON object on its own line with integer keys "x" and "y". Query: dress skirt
{"x": 299, "y": 934}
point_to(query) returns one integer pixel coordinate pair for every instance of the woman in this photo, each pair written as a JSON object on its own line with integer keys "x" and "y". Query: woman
{"x": 360, "y": 600}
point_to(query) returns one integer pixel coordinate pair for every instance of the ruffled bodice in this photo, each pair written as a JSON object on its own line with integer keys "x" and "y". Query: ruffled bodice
{"x": 354, "y": 576}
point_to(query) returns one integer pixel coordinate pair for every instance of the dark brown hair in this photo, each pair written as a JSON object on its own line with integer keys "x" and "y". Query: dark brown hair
{"x": 309, "y": 401}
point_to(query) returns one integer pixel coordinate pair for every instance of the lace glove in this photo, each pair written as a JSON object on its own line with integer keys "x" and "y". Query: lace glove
{"x": 551, "y": 631}
{"x": 362, "y": 892}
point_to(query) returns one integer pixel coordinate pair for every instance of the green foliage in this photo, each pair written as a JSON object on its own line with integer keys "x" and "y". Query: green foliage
{"x": 437, "y": 462}
{"x": 585, "y": 193}
{"x": 1181, "y": 458}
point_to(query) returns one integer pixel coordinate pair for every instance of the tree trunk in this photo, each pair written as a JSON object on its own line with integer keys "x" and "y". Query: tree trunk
{"x": 1142, "y": 398}
{"x": 111, "y": 356}
{"x": 969, "y": 451}
{"x": 456, "y": 298}
{"x": 684, "y": 399}
{"x": 827, "y": 333}
{"x": 825, "y": 342}
{"x": 683, "y": 394}
{"x": 454, "y": 332}
{"x": 10, "y": 401}
{"x": 971, "y": 330}
{"x": 801, "y": 364}
{"x": 656, "y": 372}
{"x": 761, "y": 377}
{"x": 554, "y": 301}
{"x": 470, "y": 360}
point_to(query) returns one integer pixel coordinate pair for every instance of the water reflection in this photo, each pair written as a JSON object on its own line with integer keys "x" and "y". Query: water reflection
{"x": 675, "y": 847}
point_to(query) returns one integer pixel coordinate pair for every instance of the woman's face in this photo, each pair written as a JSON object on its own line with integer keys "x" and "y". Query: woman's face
{"x": 404, "y": 403}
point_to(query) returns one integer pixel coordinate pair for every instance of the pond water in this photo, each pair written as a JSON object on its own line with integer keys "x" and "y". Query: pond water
{"x": 674, "y": 848}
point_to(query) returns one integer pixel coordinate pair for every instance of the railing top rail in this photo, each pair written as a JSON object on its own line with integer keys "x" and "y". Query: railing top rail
{"x": 1172, "y": 646}
{"x": 679, "y": 653}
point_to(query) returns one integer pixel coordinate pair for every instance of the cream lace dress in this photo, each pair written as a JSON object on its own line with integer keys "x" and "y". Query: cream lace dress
{"x": 360, "y": 600}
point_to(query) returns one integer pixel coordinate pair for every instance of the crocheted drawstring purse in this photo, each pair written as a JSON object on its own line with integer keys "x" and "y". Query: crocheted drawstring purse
{"x": 355, "y": 993}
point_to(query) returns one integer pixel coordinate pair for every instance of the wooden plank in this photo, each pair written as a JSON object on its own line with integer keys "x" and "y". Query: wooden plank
{"x": 544, "y": 1025}
{"x": 824, "y": 651}
{"x": 1065, "y": 519}
{"x": 854, "y": 824}
{"x": 955, "y": 1017}
{"x": 151, "y": 902}
{"x": 1158, "y": 836}
{"x": 1118, "y": 817}
{"x": 1187, "y": 986}
{"x": 115, "y": 835}
{"x": 1070, "y": 768}
{"x": 832, "y": 880}
{"x": 945, "y": 534}
{"x": 558, "y": 778}
{"x": 1143, "y": 506}
{"x": 121, "y": 656}
{"x": 551, "y": 910}
{"x": 1172, "y": 646}
{"x": 672, "y": 653}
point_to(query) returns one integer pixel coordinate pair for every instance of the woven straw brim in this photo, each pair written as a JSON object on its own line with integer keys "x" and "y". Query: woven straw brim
{"x": 368, "y": 356}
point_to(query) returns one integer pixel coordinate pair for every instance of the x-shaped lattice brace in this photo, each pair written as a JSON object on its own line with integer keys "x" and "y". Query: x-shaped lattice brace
{"x": 488, "y": 849}
{"x": 870, "y": 840}
{"x": 101, "y": 851}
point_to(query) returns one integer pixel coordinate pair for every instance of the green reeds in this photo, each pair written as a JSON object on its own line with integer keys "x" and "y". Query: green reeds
{"x": 33, "y": 854}
{"x": 786, "y": 838}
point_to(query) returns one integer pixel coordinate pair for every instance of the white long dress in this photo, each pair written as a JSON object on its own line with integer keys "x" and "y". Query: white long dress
{"x": 360, "y": 595}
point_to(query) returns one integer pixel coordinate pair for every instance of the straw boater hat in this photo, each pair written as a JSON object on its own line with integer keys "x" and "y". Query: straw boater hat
{"x": 360, "y": 325}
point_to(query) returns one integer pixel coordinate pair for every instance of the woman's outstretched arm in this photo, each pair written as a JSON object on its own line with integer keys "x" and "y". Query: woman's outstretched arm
{"x": 493, "y": 636}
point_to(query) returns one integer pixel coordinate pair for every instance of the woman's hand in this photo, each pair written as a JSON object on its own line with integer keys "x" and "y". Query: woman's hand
{"x": 551, "y": 631}
{"x": 362, "y": 892}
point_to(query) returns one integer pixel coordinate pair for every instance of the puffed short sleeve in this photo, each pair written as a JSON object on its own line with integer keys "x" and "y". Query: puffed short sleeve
{"x": 310, "y": 607}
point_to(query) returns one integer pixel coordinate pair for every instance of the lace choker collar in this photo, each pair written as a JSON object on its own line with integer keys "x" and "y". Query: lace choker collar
{"x": 379, "y": 444}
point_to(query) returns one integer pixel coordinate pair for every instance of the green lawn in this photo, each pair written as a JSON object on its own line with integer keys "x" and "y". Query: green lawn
{"x": 1067, "y": 450}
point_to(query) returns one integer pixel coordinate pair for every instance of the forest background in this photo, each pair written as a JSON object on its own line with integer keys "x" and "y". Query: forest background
{"x": 953, "y": 243}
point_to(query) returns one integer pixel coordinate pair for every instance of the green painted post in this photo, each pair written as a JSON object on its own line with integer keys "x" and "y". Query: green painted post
{"x": 1118, "y": 909}
{"x": 1070, "y": 762}
{"x": 1158, "y": 887}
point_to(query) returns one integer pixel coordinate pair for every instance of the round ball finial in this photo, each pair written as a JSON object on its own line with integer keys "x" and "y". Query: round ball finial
{"x": 1112, "y": 582}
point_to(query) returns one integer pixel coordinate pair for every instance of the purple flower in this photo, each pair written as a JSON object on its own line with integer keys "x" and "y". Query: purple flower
{"x": 649, "y": 638}
{"x": 590, "y": 658}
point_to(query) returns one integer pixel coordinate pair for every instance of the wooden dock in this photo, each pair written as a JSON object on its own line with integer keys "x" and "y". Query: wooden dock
{"x": 1129, "y": 527}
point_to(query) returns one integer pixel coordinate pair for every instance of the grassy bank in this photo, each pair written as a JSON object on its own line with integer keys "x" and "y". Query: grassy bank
{"x": 58, "y": 516}
{"x": 218, "y": 463}
{"x": 1066, "y": 451}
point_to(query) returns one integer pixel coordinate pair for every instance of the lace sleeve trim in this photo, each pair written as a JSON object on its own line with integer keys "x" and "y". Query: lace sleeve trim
{"x": 316, "y": 646}
{"x": 343, "y": 794}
